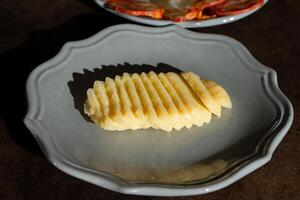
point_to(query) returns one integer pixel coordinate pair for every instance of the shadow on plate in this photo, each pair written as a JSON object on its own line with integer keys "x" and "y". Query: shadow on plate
{"x": 83, "y": 81}
{"x": 17, "y": 64}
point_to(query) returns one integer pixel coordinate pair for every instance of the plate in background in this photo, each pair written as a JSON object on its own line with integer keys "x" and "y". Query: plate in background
{"x": 187, "y": 24}
{"x": 152, "y": 162}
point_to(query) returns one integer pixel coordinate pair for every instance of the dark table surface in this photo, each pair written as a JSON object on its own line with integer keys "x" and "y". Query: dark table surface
{"x": 33, "y": 31}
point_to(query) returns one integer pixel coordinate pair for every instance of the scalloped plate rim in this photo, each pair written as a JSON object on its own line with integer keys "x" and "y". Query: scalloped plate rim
{"x": 105, "y": 180}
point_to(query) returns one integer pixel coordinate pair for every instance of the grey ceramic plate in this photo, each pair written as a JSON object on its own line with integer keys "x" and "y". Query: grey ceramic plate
{"x": 188, "y": 24}
{"x": 152, "y": 162}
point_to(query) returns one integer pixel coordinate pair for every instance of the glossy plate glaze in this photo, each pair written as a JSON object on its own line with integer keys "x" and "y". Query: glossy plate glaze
{"x": 187, "y": 24}
{"x": 153, "y": 162}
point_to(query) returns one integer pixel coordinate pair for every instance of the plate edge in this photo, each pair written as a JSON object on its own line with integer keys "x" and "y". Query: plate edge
{"x": 34, "y": 111}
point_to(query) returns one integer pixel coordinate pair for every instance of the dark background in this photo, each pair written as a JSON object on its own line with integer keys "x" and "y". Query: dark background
{"x": 33, "y": 31}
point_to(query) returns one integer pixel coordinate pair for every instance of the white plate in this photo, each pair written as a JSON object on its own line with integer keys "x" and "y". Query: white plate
{"x": 152, "y": 162}
{"x": 188, "y": 24}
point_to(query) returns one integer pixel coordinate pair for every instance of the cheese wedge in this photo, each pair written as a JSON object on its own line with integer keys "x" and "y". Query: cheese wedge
{"x": 198, "y": 111}
{"x": 188, "y": 120}
{"x": 199, "y": 88}
{"x": 126, "y": 106}
{"x": 148, "y": 104}
{"x": 137, "y": 108}
{"x": 160, "y": 101}
{"x": 218, "y": 93}
{"x": 176, "y": 119}
{"x": 103, "y": 100}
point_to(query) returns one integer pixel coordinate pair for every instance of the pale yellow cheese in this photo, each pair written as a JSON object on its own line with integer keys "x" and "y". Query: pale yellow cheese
{"x": 199, "y": 88}
{"x": 218, "y": 93}
{"x": 161, "y": 101}
{"x": 176, "y": 119}
{"x": 198, "y": 111}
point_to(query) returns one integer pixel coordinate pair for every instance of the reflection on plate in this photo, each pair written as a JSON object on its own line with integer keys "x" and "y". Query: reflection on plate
{"x": 172, "y": 175}
{"x": 175, "y": 175}
{"x": 151, "y": 162}
{"x": 205, "y": 22}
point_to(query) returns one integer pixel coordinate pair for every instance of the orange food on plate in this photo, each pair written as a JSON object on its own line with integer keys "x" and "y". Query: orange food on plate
{"x": 190, "y": 12}
{"x": 180, "y": 15}
{"x": 183, "y": 10}
{"x": 137, "y": 8}
{"x": 202, "y": 5}
{"x": 234, "y": 7}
